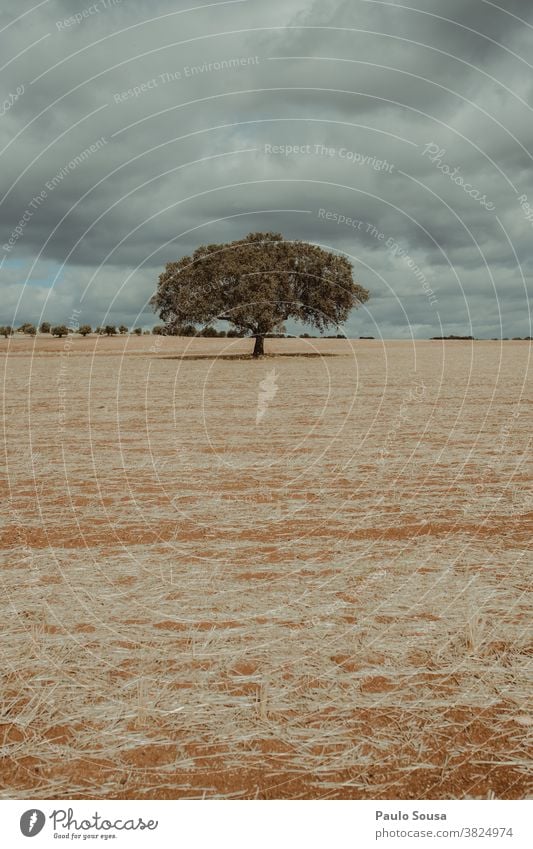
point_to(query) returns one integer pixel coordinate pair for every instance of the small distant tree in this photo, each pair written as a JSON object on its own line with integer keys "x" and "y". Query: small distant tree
{"x": 6, "y": 331}
{"x": 188, "y": 330}
{"x": 28, "y": 328}
{"x": 110, "y": 330}
{"x": 60, "y": 330}
{"x": 122, "y": 329}
{"x": 45, "y": 327}
{"x": 256, "y": 284}
{"x": 158, "y": 330}
{"x": 85, "y": 329}
{"x": 138, "y": 331}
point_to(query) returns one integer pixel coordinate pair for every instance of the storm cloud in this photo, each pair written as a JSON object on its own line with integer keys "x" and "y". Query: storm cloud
{"x": 398, "y": 134}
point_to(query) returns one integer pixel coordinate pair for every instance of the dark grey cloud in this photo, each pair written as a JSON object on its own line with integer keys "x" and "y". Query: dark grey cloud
{"x": 131, "y": 134}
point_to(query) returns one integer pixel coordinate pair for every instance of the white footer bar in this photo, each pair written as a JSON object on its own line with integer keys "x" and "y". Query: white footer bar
{"x": 267, "y": 824}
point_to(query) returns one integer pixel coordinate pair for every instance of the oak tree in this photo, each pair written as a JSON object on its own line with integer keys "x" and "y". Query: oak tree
{"x": 256, "y": 284}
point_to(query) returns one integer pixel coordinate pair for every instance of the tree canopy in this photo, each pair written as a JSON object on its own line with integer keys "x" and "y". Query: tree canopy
{"x": 256, "y": 284}
{"x": 60, "y": 330}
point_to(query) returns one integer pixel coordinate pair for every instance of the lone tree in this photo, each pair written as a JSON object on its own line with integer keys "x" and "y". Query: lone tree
{"x": 85, "y": 329}
{"x": 45, "y": 327}
{"x": 110, "y": 330}
{"x": 256, "y": 284}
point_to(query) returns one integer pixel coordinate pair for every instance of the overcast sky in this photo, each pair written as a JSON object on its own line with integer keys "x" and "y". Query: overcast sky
{"x": 412, "y": 120}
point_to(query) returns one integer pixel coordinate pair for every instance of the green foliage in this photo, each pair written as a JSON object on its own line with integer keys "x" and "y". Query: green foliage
{"x": 6, "y": 331}
{"x": 138, "y": 331}
{"x": 256, "y": 284}
{"x": 122, "y": 329}
{"x": 110, "y": 330}
{"x": 85, "y": 329}
{"x": 45, "y": 327}
{"x": 60, "y": 330}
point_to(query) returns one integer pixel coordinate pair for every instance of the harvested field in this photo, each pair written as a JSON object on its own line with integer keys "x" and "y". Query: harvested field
{"x": 298, "y": 577}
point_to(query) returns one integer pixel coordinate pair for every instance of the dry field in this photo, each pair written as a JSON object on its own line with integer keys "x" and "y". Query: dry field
{"x": 301, "y": 577}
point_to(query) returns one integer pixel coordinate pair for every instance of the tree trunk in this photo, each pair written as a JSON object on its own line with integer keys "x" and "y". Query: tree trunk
{"x": 259, "y": 348}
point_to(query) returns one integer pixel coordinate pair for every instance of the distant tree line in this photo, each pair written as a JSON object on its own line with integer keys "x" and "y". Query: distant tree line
{"x": 62, "y": 330}
{"x": 474, "y": 339}
{"x": 112, "y": 330}
{"x": 209, "y": 332}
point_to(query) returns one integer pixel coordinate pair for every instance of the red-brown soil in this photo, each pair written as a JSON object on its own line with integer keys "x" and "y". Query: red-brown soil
{"x": 328, "y": 600}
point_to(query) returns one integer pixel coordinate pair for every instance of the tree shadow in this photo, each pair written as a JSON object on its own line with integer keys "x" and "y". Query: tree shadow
{"x": 242, "y": 356}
